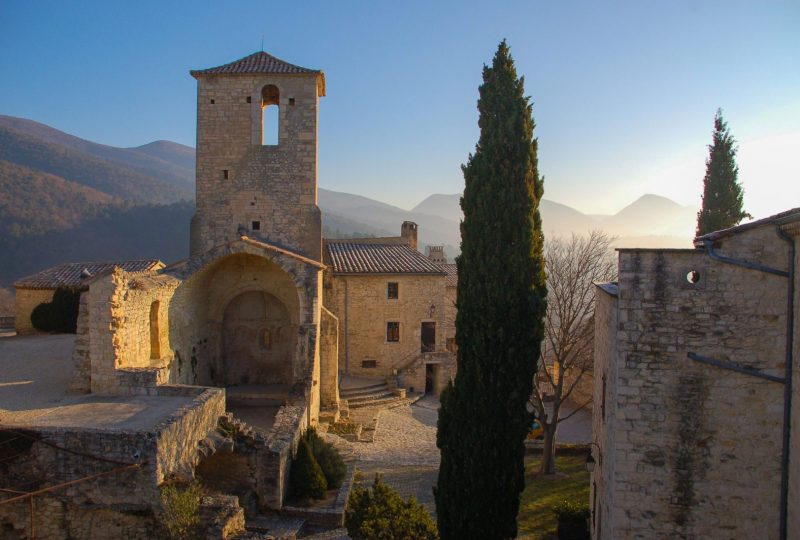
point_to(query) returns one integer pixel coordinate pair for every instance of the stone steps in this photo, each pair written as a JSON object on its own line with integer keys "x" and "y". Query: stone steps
{"x": 377, "y": 400}
{"x": 378, "y": 386}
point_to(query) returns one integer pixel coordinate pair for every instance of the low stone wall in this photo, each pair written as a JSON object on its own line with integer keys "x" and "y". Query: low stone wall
{"x": 122, "y": 504}
{"x": 179, "y": 435}
{"x": 331, "y": 516}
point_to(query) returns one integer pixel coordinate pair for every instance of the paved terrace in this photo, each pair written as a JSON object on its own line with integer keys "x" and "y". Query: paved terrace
{"x": 34, "y": 378}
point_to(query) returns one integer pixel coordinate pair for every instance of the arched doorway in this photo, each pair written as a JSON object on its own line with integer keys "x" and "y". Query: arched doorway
{"x": 258, "y": 341}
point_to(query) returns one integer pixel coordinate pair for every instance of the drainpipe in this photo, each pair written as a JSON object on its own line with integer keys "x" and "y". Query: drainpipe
{"x": 787, "y": 388}
{"x": 787, "y": 384}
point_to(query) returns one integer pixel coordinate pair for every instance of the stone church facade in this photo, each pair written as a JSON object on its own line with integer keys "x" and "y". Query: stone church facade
{"x": 246, "y": 308}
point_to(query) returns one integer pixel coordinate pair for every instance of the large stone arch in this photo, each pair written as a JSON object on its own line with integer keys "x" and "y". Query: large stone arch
{"x": 262, "y": 276}
{"x": 258, "y": 341}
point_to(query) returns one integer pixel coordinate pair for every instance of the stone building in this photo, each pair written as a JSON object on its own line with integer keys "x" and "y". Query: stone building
{"x": 35, "y": 289}
{"x": 253, "y": 322}
{"x": 391, "y": 304}
{"x": 240, "y": 320}
{"x": 697, "y": 358}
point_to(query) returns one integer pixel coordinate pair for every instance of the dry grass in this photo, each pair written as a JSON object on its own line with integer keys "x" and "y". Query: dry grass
{"x": 536, "y": 520}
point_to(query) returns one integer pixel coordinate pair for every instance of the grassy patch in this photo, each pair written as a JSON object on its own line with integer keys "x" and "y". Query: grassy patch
{"x": 536, "y": 519}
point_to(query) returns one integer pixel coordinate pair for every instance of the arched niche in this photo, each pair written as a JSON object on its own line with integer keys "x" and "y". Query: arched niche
{"x": 270, "y": 115}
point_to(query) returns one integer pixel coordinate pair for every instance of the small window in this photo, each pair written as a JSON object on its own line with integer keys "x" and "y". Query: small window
{"x": 291, "y": 101}
{"x": 256, "y": 226}
{"x": 369, "y": 364}
{"x": 265, "y": 340}
{"x": 392, "y": 290}
{"x": 225, "y": 174}
{"x": 249, "y": 99}
{"x": 393, "y": 331}
{"x": 212, "y": 101}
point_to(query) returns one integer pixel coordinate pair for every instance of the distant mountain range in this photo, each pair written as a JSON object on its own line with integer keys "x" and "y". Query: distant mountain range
{"x": 63, "y": 198}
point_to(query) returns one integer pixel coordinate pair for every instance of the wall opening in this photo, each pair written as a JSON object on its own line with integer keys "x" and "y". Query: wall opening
{"x": 270, "y": 115}
{"x": 155, "y": 341}
{"x": 427, "y": 337}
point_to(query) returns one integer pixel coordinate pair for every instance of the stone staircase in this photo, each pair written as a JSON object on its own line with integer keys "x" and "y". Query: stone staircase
{"x": 361, "y": 393}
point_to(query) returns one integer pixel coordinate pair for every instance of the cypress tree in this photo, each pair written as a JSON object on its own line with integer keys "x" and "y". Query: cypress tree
{"x": 722, "y": 193}
{"x": 499, "y": 327}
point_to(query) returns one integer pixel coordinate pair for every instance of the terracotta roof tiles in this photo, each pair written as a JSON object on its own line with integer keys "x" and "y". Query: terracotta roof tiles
{"x": 72, "y": 274}
{"x": 259, "y": 62}
{"x": 357, "y": 258}
{"x": 452, "y": 274}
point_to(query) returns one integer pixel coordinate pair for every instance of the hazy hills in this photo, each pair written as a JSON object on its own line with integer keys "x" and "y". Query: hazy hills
{"x": 650, "y": 221}
{"x": 63, "y": 199}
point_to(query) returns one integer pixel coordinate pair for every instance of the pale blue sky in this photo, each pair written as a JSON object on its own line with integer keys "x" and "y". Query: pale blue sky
{"x": 624, "y": 92}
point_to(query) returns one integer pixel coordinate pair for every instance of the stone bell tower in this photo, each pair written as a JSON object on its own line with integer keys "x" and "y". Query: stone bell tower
{"x": 257, "y": 170}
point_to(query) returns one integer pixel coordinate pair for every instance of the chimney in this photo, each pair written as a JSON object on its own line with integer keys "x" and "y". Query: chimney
{"x": 436, "y": 254}
{"x": 409, "y": 232}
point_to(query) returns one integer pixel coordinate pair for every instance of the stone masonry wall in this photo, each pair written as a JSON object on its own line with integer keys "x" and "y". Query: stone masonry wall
{"x": 25, "y": 301}
{"x": 601, "y": 494}
{"x": 212, "y": 282}
{"x": 329, "y": 361}
{"x": 127, "y": 318}
{"x": 697, "y": 448}
{"x": 360, "y": 303}
{"x": 120, "y": 505}
{"x": 274, "y": 185}
{"x": 113, "y": 506}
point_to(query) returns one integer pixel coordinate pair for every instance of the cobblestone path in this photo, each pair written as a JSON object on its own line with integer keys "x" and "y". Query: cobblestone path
{"x": 404, "y": 451}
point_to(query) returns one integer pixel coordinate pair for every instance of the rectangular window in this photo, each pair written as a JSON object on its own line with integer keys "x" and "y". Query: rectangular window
{"x": 249, "y": 99}
{"x": 392, "y": 290}
{"x": 369, "y": 364}
{"x": 256, "y": 225}
{"x": 393, "y": 331}
{"x": 225, "y": 174}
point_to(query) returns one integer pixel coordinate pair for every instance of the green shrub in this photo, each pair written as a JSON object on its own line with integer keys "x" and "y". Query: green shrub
{"x": 180, "y": 512}
{"x": 382, "y": 513}
{"x": 306, "y": 479}
{"x": 60, "y": 314}
{"x": 331, "y": 463}
{"x": 572, "y": 520}
{"x": 571, "y": 512}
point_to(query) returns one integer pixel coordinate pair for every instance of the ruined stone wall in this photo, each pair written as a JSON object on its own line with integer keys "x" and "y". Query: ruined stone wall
{"x": 697, "y": 448}
{"x": 360, "y": 303}
{"x": 117, "y": 505}
{"x": 124, "y": 319}
{"x": 273, "y": 185}
{"x": 25, "y": 301}
{"x": 122, "y": 504}
{"x": 601, "y": 495}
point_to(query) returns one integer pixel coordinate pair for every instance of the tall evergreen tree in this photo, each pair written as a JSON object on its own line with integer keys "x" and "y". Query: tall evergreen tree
{"x": 722, "y": 193}
{"x": 501, "y": 305}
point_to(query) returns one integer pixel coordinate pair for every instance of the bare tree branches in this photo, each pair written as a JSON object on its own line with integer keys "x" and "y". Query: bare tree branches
{"x": 573, "y": 266}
